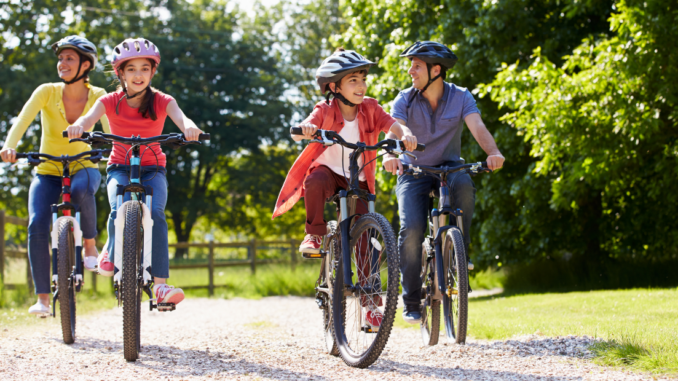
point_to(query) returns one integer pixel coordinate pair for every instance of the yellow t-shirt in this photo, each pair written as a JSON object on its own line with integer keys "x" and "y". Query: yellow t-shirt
{"x": 48, "y": 100}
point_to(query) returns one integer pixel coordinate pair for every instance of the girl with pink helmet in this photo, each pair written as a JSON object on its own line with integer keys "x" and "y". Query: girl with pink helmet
{"x": 136, "y": 108}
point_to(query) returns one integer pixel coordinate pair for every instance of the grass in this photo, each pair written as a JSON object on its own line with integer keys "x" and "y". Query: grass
{"x": 637, "y": 327}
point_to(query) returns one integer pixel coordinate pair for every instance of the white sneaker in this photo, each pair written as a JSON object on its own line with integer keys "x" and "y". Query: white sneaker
{"x": 39, "y": 309}
{"x": 91, "y": 263}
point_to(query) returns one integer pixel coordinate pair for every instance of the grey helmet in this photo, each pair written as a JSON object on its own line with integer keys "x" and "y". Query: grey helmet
{"x": 85, "y": 48}
{"x": 431, "y": 52}
{"x": 338, "y": 65}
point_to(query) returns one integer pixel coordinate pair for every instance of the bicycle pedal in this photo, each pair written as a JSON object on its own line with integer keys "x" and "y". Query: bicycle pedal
{"x": 321, "y": 254}
{"x": 369, "y": 329}
{"x": 162, "y": 307}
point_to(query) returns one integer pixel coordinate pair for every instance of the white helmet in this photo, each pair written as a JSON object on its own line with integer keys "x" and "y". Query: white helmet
{"x": 338, "y": 65}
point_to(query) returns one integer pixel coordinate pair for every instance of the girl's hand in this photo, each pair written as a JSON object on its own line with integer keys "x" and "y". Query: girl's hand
{"x": 308, "y": 129}
{"x": 192, "y": 133}
{"x": 8, "y": 155}
{"x": 75, "y": 131}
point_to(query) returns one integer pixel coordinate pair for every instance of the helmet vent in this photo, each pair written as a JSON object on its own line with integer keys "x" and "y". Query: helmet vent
{"x": 137, "y": 46}
{"x": 126, "y": 46}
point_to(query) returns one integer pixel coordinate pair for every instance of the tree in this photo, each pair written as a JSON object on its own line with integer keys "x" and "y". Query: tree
{"x": 603, "y": 133}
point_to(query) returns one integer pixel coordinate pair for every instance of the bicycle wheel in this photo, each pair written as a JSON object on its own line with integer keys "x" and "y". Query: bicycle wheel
{"x": 331, "y": 244}
{"x": 430, "y": 313}
{"x": 374, "y": 269}
{"x": 131, "y": 290}
{"x": 65, "y": 264}
{"x": 455, "y": 297}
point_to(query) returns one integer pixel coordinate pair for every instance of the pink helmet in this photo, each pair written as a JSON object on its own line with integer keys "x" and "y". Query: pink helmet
{"x": 133, "y": 48}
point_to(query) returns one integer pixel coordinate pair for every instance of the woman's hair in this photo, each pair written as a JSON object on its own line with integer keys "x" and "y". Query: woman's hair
{"x": 146, "y": 108}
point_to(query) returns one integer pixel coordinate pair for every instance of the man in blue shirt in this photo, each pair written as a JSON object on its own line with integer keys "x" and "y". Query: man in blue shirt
{"x": 435, "y": 111}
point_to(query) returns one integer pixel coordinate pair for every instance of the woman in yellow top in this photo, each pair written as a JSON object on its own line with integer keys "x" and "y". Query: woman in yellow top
{"x": 60, "y": 105}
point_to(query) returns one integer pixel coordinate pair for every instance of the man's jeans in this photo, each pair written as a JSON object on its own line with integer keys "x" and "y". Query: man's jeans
{"x": 119, "y": 174}
{"x": 413, "y": 205}
{"x": 45, "y": 191}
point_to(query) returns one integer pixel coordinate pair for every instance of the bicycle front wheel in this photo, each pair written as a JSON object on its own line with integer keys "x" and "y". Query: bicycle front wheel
{"x": 364, "y": 311}
{"x": 66, "y": 287}
{"x": 131, "y": 289}
{"x": 328, "y": 272}
{"x": 430, "y": 313}
{"x": 455, "y": 295}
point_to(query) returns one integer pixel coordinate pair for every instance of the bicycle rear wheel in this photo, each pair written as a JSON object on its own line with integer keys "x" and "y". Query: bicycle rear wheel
{"x": 131, "y": 289}
{"x": 331, "y": 245}
{"x": 65, "y": 264}
{"x": 374, "y": 270}
{"x": 430, "y": 313}
{"x": 455, "y": 295}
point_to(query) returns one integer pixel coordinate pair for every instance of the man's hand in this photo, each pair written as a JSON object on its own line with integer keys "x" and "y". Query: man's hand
{"x": 8, "y": 155}
{"x": 75, "y": 131}
{"x": 495, "y": 162}
{"x": 392, "y": 164}
{"x": 410, "y": 142}
{"x": 308, "y": 129}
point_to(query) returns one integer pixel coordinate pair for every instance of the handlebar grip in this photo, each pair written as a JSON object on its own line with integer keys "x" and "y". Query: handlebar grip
{"x": 484, "y": 165}
{"x": 21, "y": 155}
{"x": 420, "y": 147}
{"x": 83, "y": 136}
{"x": 204, "y": 137}
{"x": 296, "y": 131}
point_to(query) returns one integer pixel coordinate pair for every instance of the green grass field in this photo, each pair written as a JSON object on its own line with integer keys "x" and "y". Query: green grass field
{"x": 638, "y": 326}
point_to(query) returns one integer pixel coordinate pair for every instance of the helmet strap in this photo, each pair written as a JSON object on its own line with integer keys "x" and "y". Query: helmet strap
{"x": 417, "y": 91}
{"x": 342, "y": 98}
{"x": 124, "y": 90}
{"x": 76, "y": 78}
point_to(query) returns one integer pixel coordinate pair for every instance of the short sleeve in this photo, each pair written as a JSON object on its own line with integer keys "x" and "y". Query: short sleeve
{"x": 162, "y": 100}
{"x": 399, "y": 110}
{"x": 109, "y": 102}
{"x": 382, "y": 119}
{"x": 469, "y": 106}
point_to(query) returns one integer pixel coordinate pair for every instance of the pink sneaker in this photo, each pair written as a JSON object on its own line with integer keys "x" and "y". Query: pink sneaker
{"x": 311, "y": 244}
{"x": 167, "y": 294}
{"x": 105, "y": 266}
{"x": 373, "y": 317}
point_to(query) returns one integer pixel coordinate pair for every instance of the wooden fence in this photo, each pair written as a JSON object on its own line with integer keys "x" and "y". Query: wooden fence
{"x": 252, "y": 260}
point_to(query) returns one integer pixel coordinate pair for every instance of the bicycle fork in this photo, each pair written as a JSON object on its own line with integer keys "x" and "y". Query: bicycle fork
{"x": 440, "y": 226}
{"x": 345, "y": 226}
{"x": 75, "y": 276}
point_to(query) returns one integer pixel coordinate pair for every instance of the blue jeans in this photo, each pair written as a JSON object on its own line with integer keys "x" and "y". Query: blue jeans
{"x": 45, "y": 190}
{"x": 413, "y": 207}
{"x": 119, "y": 174}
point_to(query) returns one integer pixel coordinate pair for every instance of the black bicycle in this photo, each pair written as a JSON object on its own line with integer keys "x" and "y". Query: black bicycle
{"x": 360, "y": 266}
{"x": 67, "y": 269}
{"x": 444, "y": 270}
{"x": 133, "y": 235}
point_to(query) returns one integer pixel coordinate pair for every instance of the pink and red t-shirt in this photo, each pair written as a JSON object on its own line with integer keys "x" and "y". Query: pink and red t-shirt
{"x": 130, "y": 122}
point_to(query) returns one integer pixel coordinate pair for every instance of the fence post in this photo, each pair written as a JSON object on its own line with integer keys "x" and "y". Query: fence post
{"x": 293, "y": 254}
{"x": 253, "y": 255}
{"x": 2, "y": 247}
{"x": 211, "y": 268}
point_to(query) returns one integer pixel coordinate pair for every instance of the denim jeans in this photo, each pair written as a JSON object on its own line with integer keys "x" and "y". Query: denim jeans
{"x": 45, "y": 190}
{"x": 119, "y": 174}
{"x": 413, "y": 206}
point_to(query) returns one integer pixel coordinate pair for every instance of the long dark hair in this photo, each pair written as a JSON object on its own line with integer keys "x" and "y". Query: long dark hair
{"x": 146, "y": 108}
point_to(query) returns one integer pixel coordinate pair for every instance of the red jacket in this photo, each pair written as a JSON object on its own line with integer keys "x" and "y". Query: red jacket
{"x": 372, "y": 120}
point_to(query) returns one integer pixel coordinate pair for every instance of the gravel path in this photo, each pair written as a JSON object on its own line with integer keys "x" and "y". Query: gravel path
{"x": 276, "y": 338}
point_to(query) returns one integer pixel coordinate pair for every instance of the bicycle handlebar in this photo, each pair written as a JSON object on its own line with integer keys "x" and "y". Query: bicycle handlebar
{"x": 34, "y": 157}
{"x": 387, "y": 144}
{"x": 173, "y": 138}
{"x": 419, "y": 169}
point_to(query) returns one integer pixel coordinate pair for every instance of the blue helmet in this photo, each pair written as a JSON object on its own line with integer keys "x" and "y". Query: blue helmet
{"x": 431, "y": 52}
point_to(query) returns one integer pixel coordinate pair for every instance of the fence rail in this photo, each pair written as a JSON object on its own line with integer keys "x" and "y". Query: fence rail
{"x": 252, "y": 260}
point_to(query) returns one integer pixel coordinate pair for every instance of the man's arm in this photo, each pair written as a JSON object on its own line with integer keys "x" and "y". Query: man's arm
{"x": 475, "y": 124}
{"x": 391, "y": 162}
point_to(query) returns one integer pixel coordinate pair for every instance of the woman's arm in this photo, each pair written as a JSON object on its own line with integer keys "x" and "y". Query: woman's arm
{"x": 26, "y": 117}
{"x": 190, "y": 130}
{"x": 85, "y": 123}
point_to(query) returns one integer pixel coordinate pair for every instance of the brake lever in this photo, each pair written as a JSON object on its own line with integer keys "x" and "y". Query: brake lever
{"x": 398, "y": 150}
{"x": 326, "y": 142}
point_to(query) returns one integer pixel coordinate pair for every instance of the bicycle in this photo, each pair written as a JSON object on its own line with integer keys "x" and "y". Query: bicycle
{"x": 133, "y": 235}
{"x": 67, "y": 268}
{"x": 444, "y": 262}
{"x": 360, "y": 264}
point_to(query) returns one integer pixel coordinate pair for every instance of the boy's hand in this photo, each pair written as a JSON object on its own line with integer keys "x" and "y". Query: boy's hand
{"x": 410, "y": 142}
{"x": 392, "y": 164}
{"x": 308, "y": 129}
{"x": 8, "y": 155}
